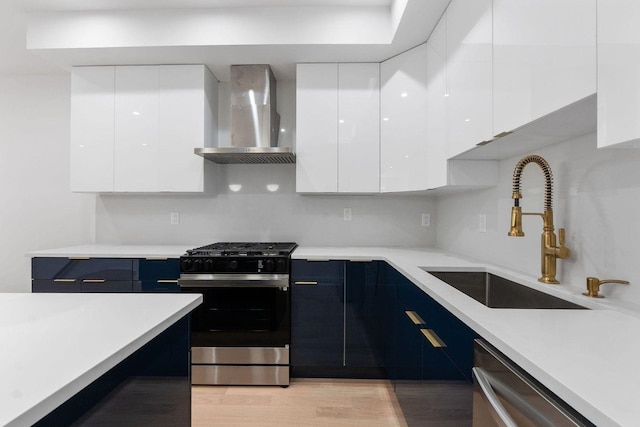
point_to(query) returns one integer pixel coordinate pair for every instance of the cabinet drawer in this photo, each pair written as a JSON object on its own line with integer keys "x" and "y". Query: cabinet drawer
{"x": 159, "y": 269}
{"x": 305, "y": 272}
{"x": 160, "y": 285}
{"x": 120, "y": 269}
{"x": 89, "y": 286}
{"x": 58, "y": 286}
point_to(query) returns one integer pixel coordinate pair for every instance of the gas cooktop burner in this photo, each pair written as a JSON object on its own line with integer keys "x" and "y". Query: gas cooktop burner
{"x": 244, "y": 249}
{"x": 243, "y": 257}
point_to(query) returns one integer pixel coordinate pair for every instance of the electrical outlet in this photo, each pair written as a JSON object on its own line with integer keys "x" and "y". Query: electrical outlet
{"x": 482, "y": 223}
{"x": 175, "y": 218}
{"x": 347, "y": 214}
{"x": 426, "y": 220}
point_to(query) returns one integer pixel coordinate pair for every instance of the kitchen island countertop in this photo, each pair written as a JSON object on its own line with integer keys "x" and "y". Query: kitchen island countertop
{"x": 54, "y": 345}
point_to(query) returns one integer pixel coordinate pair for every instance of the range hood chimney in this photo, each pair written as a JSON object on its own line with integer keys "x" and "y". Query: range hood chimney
{"x": 255, "y": 123}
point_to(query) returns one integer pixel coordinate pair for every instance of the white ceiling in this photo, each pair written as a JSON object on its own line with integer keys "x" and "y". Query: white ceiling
{"x": 63, "y": 33}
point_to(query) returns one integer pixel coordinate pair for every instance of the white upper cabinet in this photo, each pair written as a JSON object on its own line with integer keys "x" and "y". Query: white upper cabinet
{"x": 404, "y": 149}
{"x": 317, "y": 128}
{"x": 618, "y": 73}
{"x": 92, "y": 128}
{"x": 137, "y": 129}
{"x": 358, "y": 128}
{"x": 337, "y": 128}
{"x": 469, "y": 74}
{"x": 158, "y": 115}
{"x": 544, "y": 58}
{"x": 436, "y": 114}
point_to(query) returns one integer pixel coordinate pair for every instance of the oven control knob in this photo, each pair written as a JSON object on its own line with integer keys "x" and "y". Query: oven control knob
{"x": 269, "y": 266}
{"x": 281, "y": 266}
{"x": 197, "y": 265}
{"x": 208, "y": 265}
{"x": 233, "y": 265}
{"x": 186, "y": 265}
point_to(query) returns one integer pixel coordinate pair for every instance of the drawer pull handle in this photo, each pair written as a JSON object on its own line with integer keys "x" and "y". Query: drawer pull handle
{"x": 77, "y": 258}
{"x": 167, "y": 281}
{"x": 318, "y": 260}
{"x": 433, "y": 338}
{"x": 415, "y": 317}
{"x": 64, "y": 280}
{"x": 156, "y": 258}
{"x": 360, "y": 260}
{"x": 93, "y": 280}
{"x": 305, "y": 283}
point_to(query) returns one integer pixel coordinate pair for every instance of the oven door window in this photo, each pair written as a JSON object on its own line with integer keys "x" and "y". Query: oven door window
{"x": 241, "y": 317}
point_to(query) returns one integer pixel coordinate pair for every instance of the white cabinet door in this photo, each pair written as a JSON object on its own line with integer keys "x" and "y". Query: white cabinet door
{"x": 317, "y": 128}
{"x": 544, "y": 58}
{"x": 137, "y": 129}
{"x": 404, "y": 147}
{"x": 469, "y": 74}
{"x": 134, "y": 128}
{"x": 358, "y": 128}
{"x": 182, "y": 111}
{"x": 92, "y": 130}
{"x": 436, "y": 132}
{"x": 618, "y": 72}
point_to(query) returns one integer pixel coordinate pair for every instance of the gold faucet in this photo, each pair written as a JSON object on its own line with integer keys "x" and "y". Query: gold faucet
{"x": 593, "y": 286}
{"x": 549, "y": 251}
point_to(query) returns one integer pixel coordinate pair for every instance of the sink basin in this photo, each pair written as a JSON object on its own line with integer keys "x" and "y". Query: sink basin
{"x": 498, "y": 292}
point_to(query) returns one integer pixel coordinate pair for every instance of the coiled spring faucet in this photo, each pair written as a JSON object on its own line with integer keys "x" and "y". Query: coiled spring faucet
{"x": 549, "y": 251}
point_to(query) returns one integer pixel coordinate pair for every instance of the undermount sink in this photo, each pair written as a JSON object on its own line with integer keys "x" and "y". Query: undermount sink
{"x": 498, "y": 292}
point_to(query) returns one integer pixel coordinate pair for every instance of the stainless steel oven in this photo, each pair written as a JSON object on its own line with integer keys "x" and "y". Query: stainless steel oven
{"x": 241, "y": 332}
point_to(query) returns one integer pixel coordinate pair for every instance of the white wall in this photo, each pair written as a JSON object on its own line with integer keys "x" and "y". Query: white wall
{"x": 596, "y": 198}
{"x": 255, "y": 214}
{"x": 38, "y": 211}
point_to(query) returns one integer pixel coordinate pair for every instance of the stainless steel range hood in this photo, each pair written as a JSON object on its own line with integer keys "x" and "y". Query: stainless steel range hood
{"x": 255, "y": 123}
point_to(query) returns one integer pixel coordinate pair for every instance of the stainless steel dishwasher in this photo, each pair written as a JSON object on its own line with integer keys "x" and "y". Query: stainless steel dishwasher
{"x": 505, "y": 395}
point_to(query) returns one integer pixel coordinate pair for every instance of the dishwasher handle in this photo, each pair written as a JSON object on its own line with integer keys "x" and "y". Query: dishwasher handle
{"x": 498, "y": 412}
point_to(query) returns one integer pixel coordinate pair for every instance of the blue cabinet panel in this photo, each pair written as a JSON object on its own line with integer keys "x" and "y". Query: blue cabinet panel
{"x": 361, "y": 290}
{"x": 317, "y": 314}
{"x": 92, "y": 268}
{"x": 159, "y": 275}
{"x": 107, "y": 286}
{"x": 69, "y": 285}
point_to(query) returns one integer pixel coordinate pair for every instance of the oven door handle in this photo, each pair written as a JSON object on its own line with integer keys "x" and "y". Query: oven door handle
{"x": 233, "y": 281}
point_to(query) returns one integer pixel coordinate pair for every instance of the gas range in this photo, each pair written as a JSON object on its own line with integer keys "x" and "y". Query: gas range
{"x": 241, "y": 332}
{"x": 242, "y": 257}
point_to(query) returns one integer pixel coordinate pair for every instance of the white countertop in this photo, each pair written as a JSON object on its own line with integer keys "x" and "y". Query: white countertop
{"x": 114, "y": 251}
{"x": 588, "y": 358}
{"x": 53, "y": 345}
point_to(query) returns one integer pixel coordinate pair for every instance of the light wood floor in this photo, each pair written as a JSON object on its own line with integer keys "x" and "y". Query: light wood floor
{"x": 306, "y": 402}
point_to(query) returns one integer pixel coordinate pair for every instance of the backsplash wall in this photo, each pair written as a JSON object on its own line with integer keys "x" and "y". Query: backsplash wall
{"x": 596, "y": 198}
{"x": 254, "y": 213}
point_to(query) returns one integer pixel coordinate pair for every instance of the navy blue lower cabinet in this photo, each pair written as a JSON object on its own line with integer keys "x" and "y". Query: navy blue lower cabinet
{"x": 361, "y": 320}
{"x": 60, "y": 274}
{"x": 151, "y": 387}
{"x": 455, "y": 335}
{"x": 120, "y": 269}
{"x": 106, "y": 286}
{"x": 430, "y": 383}
{"x": 317, "y": 318}
{"x": 159, "y": 275}
{"x": 55, "y": 274}
{"x": 56, "y": 285}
